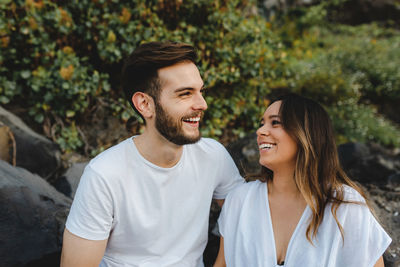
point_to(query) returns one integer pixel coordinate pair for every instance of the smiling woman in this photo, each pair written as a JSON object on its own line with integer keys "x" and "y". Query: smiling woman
{"x": 304, "y": 210}
{"x": 277, "y": 147}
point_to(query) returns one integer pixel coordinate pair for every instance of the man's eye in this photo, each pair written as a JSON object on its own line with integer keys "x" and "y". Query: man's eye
{"x": 184, "y": 94}
{"x": 275, "y": 122}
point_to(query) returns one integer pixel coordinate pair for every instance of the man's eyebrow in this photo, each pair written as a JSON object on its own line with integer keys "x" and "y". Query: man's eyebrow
{"x": 187, "y": 88}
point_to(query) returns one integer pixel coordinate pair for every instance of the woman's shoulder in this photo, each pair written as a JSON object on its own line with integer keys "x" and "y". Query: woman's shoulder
{"x": 243, "y": 190}
{"x": 351, "y": 194}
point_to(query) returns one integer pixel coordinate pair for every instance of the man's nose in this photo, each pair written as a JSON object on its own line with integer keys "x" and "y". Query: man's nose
{"x": 200, "y": 103}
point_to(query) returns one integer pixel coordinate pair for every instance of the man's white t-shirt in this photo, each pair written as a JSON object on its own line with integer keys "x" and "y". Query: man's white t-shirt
{"x": 152, "y": 216}
{"x": 245, "y": 223}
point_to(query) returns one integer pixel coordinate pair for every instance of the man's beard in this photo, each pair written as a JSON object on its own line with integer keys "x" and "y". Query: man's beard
{"x": 171, "y": 129}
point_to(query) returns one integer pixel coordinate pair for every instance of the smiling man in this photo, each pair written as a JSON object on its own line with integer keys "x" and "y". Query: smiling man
{"x": 145, "y": 202}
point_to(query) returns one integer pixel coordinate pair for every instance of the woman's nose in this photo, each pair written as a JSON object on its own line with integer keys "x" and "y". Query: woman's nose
{"x": 263, "y": 130}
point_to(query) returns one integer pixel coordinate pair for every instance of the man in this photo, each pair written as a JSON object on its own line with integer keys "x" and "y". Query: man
{"x": 145, "y": 202}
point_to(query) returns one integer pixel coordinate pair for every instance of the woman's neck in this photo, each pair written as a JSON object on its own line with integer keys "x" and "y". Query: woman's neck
{"x": 283, "y": 183}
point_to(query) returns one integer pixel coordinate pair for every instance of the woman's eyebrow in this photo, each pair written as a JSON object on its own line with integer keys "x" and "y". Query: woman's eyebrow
{"x": 274, "y": 116}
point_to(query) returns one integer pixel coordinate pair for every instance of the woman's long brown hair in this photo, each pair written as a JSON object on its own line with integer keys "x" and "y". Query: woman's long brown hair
{"x": 318, "y": 174}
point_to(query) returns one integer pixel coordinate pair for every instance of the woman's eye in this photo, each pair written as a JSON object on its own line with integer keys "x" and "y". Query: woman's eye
{"x": 275, "y": 122}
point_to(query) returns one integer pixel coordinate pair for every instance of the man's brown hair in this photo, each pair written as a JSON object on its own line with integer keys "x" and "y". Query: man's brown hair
{"x": 139, "y": 73}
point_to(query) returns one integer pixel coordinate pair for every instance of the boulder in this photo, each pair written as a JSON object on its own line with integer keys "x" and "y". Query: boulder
{"x": 33, "y": 151}
{"x": 394, "y": 181}
{"x": 245, "y": 154}
{"x": 32, "y": 216}
{"x": 68, "y": 182}
{"x": 349, "y": 12}
{"x": 368, "y": 163}
{"x": 365, "y": 11}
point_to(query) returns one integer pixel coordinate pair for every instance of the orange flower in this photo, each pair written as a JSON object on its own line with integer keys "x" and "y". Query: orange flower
{"x": 4, "y": 41}
{"x": 65, "y": 18}
{"x": 68, "y": 50}
{"x": 34, "y": 4}
{"x": 125, "y": 16}
{"x": 241, "y": 103}
{"x": 33, "y": 24}
{"x": 66, "y": 73}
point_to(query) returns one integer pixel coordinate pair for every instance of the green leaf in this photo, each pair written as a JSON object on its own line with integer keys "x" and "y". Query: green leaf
{"x": 39, "y": 118}
{"x": 4, "y": 99}
{"x": 70, "y": 113}
{"x": 25, "y": 74}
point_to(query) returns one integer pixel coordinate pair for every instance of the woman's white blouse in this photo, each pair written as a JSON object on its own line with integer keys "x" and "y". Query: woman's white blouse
{"x": 245, "y": 223}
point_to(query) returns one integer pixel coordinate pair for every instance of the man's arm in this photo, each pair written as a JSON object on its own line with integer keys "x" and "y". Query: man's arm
{"x": 77, "y": 251}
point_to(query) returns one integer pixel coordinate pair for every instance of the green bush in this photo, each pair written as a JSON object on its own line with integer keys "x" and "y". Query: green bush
{"x": 65, "y": 57}
{"x": 353, "y": 69}
{"x": 360, "y": 123}
{"x": 62, "y": 59}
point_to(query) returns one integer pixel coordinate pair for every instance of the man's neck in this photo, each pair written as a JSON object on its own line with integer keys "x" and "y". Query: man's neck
{"x": 158, "y": 150}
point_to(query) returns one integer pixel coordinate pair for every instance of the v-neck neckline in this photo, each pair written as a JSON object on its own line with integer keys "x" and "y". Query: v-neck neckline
{"x": 299, "y": 223}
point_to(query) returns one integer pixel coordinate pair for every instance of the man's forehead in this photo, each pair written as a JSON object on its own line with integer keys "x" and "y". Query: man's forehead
{"x": 184, "y": 74}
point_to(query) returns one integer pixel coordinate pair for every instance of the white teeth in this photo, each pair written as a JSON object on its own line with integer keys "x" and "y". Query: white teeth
{"x": 193, "y": 119}
{"x": 262, "y": 146}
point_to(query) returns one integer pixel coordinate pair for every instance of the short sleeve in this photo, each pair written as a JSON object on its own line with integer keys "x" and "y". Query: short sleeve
{"x": 378, "y": 242}
{"x": 91, "y": 213}
{"x": 365, "y": 238}
{"x": 228, "y": 174}
{"x": 231, "y": 210}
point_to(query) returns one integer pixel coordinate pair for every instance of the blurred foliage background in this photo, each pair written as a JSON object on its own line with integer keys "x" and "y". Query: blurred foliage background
{"x": 60, "y": 62}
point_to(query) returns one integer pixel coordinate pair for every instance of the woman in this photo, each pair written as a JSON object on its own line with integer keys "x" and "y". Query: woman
{"x": 304, "y": 211}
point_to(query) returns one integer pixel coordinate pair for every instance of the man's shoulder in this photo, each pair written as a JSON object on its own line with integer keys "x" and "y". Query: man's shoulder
{"x": 112, "y": 156}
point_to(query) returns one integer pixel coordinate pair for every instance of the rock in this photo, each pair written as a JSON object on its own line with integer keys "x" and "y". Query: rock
{"x": 270, "y": 7}
{"x": 245, "y": 154}
{"x": 368, "y": 163}
{"x": 68, "y": 183}
{"x": 350, "y": 153}
{"x": 386, "y": 205}
{"x": 393, "y": 181}
{"x": 365, "y": 11}
{"x": 348, "y": 12}
{"x": 33, "y": 151}
{"x": 32, "y": 216}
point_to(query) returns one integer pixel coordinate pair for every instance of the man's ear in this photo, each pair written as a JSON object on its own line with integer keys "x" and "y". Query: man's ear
{"x": 144, "y": 104}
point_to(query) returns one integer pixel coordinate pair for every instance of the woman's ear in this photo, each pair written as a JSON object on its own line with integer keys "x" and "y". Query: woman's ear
{"x": 144, "y": 104}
